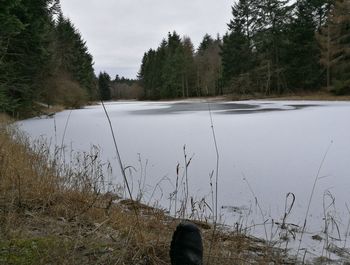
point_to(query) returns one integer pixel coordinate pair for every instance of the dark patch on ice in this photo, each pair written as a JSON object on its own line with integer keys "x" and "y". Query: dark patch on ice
{"x": 251, "y": 111}
{"x": 303, "y": 106}
{"x": 221, "y": 108}
{"x": 173, "y": 108}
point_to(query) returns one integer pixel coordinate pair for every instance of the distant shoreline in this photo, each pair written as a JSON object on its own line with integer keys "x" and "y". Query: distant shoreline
{"x": 319, "y": 96}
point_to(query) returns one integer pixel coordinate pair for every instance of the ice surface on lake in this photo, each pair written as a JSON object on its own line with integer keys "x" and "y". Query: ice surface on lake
{"x": 269, "y": 148}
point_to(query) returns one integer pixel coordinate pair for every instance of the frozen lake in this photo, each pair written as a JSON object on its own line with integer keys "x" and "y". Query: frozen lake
{"x": 267, "y": 149}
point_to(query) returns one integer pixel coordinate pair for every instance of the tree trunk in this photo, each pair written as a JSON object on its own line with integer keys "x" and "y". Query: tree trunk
{"x": 183, "y": 85}
{"x": 328, "y": 59}
{"x": 187, "y": 86}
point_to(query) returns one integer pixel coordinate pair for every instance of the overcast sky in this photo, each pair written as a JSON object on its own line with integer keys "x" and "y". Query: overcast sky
{"x": 118, "y": 32}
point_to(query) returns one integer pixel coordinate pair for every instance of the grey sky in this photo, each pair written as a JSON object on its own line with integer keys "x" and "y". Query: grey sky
{"x": 118, "y": 32}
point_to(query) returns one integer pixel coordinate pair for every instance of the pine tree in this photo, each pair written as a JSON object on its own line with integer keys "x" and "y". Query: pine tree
{"x": 168, "y": 71}
{"x": 334, "y": 40}
{"x": 32, "y": 66}
{"x": 301, "y": 54}
{"x": 274, "y": 16}
{"x": 147, "y": 75}
{"x": 72, "y": 56}
{"x": 104, "y": 81}
{"x": 24, "y": 49}
{"x": 235, "y": 57}
{"x": 208, "y": 64}
{"x": 11, "y": 26}
{"x": 205, "y": 44}
{"x": 189, "y": 68}
{"x": 237, "y": 48}
{"x": 172, "y": 68}
{"x": 321, "y": 10}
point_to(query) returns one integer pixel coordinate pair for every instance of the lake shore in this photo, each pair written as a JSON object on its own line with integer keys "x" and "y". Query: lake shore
{"x": 42, "y": 109}
{"x": 307, "y": 96}
{"x": 160, "y": 218}
{"x": 53, "y": 215}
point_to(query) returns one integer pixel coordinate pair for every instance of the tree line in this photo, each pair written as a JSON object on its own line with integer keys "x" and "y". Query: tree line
{"x": 43, "y": 57}
{"x": 271, "y": 47}
{"x": 174, "y": 69}
{"x": 119, "y": 88}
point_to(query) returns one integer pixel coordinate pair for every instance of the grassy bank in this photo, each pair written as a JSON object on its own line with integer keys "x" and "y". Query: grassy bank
{"x": 317, "y": 95}
{"x": 51, "y": 214}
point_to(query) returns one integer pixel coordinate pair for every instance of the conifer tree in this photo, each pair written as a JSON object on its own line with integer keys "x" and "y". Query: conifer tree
{"x": 31, "y": 60}
{"x": 72, "y": 55}
{"x": 11, "y": 26}
{"x": 24, "y": 40}
{"x": 300, "y": 56}
{"x": 334, "y": 40}
{"x": 189, "y": 68}
{"x": 208, "y": 63}
{"x": 168, "y": 71}
{"x": 274, "y": 16}
{"x": 104, "y": 81}
{"x": 238, "y": 44}
{"x": 172, "y": 68}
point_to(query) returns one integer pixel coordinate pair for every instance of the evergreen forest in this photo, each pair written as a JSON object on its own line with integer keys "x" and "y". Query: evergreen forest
{"x": 271, "y": 47}
{"x": 43, "y": 58}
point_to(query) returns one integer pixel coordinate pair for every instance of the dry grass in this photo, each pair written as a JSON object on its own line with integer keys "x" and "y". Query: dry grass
{"x": 51, "y": 214}
{"x": 318, "y": 95}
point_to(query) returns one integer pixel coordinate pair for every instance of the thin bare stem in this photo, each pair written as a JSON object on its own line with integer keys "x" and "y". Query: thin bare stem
{"x": 312, "y": 194}
{"x": 186, "y": 179}
{"x": 65, "y": 128}
{"x": 122, "y": 169}
{"x": 217, "y": 163}
{"x": 55, "y": 129}
{"x": 63, "y": 137}
{"x": 348, "y": 227}
{"x": 121, "y": 166}
{"x": 216, "y": 182}
{"x": 258, "y": 204}
{"x": 176, "y": 187}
